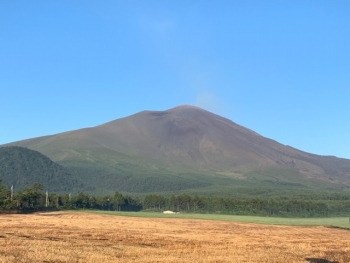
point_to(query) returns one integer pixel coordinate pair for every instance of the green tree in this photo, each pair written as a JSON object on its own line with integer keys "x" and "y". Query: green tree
{"x": 4, "y": 195}
{"x": 117, "y": 201}
{"x": 80, "y": 201}
{"x": 32, "y": 197}
{"x": 154, "y": 201}
{"x": 104, "y": 202}
{"x": 132, "y": 204}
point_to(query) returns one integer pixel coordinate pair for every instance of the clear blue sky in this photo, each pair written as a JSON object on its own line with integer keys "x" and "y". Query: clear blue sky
{"x": 280, "y": 68}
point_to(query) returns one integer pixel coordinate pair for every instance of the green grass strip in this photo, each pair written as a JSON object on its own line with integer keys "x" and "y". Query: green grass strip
{"x": 341, "y": 222}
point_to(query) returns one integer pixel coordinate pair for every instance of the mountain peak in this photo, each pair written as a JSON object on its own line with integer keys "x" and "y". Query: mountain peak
{"x": 186, "y": 107}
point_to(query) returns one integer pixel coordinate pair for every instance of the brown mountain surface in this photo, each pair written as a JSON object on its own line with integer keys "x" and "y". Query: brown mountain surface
{"x": 188, "y": 139}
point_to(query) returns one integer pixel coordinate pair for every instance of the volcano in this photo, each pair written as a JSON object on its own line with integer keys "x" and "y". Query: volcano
{"x": 182, "y": 148}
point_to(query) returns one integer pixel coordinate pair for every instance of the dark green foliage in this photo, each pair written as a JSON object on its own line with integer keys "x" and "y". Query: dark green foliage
{"x": 33, "y": 198}
{"x": 154, "y": 201}
{"x": 249, "y": 206}
{"x": 275, "y": 192}
{"x": 4, "y": 195}
{"x": 136, "y": 178}
{"x": 21, "y": 167}
{"x": 117, "y": 202}
{"x": 131, "y": 175}
{"x": 134, "y": 175}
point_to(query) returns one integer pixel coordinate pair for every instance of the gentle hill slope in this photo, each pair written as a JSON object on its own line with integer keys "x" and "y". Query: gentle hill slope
{"x": 185, "y": 148}
{"x": 23, "y": 167}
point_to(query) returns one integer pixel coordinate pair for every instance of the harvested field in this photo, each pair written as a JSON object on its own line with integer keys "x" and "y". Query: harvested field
{"x": 86, "y": 237}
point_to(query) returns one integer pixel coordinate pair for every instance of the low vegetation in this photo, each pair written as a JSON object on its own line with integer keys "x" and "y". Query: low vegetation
{"x": 332, "y": 222}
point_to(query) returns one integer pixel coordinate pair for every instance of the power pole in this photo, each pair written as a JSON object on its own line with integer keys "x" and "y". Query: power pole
{"x": 47, "y": 198}
{"x": 11, "y": 193}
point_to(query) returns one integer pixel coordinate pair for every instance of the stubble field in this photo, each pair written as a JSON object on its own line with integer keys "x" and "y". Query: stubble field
{"x": 87, "y": 237}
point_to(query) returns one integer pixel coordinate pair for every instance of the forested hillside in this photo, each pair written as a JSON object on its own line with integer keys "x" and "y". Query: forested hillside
{"x": 22, "y": 167}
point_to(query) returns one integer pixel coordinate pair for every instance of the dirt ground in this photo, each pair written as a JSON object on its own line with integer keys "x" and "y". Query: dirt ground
{"x": 86, "y": 237}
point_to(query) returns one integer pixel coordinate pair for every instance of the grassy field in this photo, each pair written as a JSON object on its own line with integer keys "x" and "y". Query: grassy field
{"x": 342, "y": 222}
{"x": 93, "y": 237}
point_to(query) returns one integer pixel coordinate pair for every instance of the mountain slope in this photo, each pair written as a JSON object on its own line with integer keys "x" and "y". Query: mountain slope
{"x": 23, "y": 167}
{"x": 184, "y": 148}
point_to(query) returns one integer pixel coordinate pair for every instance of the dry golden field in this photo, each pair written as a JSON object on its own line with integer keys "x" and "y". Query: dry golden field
{"x": 86, "y": 237}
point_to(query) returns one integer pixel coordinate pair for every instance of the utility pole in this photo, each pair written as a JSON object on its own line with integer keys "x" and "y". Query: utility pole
{"x": 11, "y": 193}
{"x": 47, "y": 198}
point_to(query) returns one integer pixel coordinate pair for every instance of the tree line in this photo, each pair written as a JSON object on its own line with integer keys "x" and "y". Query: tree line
{"x": 34, "y": 198}
{"x": 248, "y": 206}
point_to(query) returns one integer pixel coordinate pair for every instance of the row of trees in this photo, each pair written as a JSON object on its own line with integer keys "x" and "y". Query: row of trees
{"x": 247, "y": 206}
{"x": 34, "y": 198}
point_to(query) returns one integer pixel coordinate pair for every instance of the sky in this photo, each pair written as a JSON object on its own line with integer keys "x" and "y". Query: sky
{"x": 280, "y": 68}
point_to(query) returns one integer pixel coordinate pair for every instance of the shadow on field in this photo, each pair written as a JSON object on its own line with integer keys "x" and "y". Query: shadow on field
{"x": 320, "y": 260}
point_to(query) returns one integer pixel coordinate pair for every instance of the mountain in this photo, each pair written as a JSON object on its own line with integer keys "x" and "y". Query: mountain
{"x": 186, "y": 148}
{"x": 23, "y": 167}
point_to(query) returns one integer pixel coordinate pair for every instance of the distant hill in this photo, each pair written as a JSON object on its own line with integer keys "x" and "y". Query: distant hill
{"x": 22, "y": 167}
{"x": 186, "y": 149}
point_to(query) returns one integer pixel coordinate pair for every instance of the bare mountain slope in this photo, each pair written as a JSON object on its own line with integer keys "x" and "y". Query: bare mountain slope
{"x": 186, "y": 139}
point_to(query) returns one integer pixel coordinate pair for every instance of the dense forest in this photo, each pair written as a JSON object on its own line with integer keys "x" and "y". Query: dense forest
{"x": 34, "y": 198}
{"x": 22, "y": 167}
